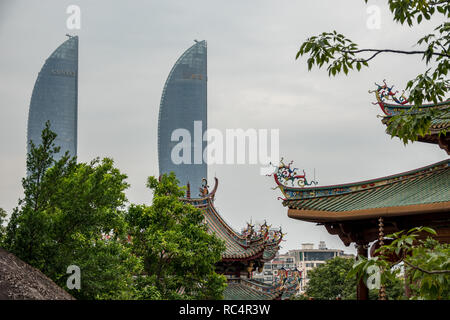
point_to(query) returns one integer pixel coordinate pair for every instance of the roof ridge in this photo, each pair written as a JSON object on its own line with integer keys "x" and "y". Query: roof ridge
{"x": 406, "y": 175}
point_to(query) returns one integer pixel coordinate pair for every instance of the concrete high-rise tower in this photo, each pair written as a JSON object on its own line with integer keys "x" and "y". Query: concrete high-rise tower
{"x": 55, "y": 98}
{"x": 184, "y": 106}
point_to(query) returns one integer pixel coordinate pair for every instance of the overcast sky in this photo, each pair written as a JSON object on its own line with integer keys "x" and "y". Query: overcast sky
{"x": 127, "y": 49}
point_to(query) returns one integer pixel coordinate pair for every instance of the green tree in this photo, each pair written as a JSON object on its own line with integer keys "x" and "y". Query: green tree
{"x": 73, "y": 214}
{"x": 329, "y": 280}
{"x": 340, "y": 54}
{"x": 2, "y": 227}
{"x": 395, "y": 289}
{"x": 426, "y": 263}
{"x": 179, "y": 254}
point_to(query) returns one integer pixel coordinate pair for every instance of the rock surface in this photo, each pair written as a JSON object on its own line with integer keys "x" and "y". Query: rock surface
{"x": 20, "y": 281}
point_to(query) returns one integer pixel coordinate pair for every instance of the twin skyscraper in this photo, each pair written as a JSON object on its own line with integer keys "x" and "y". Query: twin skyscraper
{"x": 183, "y": 103}
{"x": 55, "y": 98}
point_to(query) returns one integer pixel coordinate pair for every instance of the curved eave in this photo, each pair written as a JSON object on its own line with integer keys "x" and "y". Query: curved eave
{"x": 409, "y": 106}
{"x": 258, "y": 250}
{"x": 225, "y": 225}
{"x": 263, "y": 252}
{"x": 437, "y": 124}
{"x": 245, "y": 256}
{"x": 272, "y": 291}
{"x": 319, "y": 216}
{"x": 207, "y": 202}
{"x": 390, "y": 109}
{"x": 250, "y": 290}
{"x": 247, "y": 252}
{"x": 293, "y": 193}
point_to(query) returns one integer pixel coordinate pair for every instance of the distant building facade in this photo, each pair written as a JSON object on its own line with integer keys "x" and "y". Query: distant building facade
{"x": 184, "y": 106}
{"x": 55, "y": 99}
{"x": 308, "y": 258}
{"x": 270, "y": 270}
{"x": 305, "y": 259}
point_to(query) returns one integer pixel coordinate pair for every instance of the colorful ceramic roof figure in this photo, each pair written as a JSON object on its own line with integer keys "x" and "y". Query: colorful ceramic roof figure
{"x": 422, "y": 193}
{"x": 440, "y": 122}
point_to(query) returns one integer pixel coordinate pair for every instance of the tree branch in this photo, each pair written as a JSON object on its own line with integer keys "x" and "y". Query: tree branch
{"x": 426, "y": 271}
{"x": 378, "y": 51}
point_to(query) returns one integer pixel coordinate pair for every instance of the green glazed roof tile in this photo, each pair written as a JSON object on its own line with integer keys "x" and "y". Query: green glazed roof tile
{"x": 422, "y": 186}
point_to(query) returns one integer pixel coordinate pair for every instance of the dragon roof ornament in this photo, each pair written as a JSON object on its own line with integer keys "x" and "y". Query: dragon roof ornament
{"x": 285, "y": 173}
{"x": 384, "y": 93}
{"x": 265, "y": 234}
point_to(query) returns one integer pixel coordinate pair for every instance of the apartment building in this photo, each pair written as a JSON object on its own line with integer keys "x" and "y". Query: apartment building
{"x": 305, "y": 259}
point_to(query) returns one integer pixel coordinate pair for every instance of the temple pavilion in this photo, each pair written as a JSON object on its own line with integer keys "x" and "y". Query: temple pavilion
{"x": 245, "y": 253}
{"x": 363, "y": 212}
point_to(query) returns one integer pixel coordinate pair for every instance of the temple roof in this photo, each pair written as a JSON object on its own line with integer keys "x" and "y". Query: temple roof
{"x": 249, "y": 246}
{"x": 250, "y": 289}
{"x": 259, "y": 245}
{"x": 244, "y": 289}
{"x": 421, "y": 190}
{"x": 358, "y": 211}
{"x": 385, "y": 93}
{"x": 440, "y": 122}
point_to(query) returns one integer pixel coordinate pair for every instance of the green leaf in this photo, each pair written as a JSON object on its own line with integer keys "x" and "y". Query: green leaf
{"x": 429, "y": 230}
